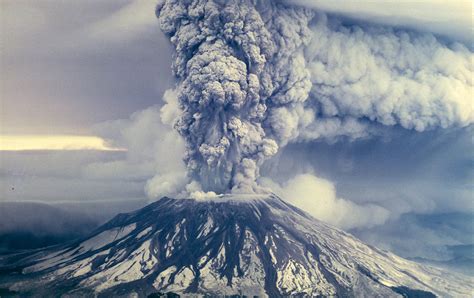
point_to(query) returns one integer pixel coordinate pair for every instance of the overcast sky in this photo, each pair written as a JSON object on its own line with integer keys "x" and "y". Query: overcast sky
{"x": 98, "y": 68}
{"x": 67, "y": 65}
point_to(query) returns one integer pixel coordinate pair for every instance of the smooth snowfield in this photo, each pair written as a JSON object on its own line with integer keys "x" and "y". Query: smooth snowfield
{"x": 259, "y": 246}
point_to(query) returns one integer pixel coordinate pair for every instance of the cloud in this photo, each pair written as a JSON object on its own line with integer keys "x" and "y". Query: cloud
{"x": 53, "y": 142}
{"x": 393, "y": 78}
{"x": 318, "y": 197}
{"x": 151, "y": 165}
{"x": 452, "y": 18}
{"x": 127, "y": 23}
{"x": 430, "y": 237}
{"x": 154, "y": 150}
{"x": 423, "y": 181}
{"x": 166, "y": 184}
{"x": 78, "y": 188}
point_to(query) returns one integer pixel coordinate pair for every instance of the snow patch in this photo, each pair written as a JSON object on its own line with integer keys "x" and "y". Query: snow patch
{"x": 144, "y": 232}
{"x": 105, "y": 238}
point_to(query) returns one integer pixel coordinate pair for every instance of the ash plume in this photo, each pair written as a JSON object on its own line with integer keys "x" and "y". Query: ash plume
{"x": 256, "y": 75}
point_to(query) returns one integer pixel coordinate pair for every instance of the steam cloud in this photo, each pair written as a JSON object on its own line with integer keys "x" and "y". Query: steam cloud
{"x": 256, "y": 75}
{"x": 318, "y": 197}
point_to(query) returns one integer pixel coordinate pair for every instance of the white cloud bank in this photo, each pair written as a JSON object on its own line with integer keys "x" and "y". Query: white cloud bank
{"x": 154, "y": 150}
{"x": 318, "y": 197}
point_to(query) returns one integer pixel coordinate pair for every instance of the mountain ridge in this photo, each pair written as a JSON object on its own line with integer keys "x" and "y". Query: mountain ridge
{"x": 260, "y": 246}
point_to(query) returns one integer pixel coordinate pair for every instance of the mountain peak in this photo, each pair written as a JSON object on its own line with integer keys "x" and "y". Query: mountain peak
{"x": 231, "y": 245}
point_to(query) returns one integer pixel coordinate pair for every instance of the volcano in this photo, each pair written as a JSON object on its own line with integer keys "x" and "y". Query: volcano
{"x": 253, "y": 245}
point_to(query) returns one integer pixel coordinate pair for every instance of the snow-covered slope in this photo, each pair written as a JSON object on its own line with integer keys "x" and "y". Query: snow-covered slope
{"x": 231, "y": 245}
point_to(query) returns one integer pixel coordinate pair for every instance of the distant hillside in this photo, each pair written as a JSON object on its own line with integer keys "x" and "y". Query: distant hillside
{"x": 462, "y": 261}
{"x": 27, "y": 225}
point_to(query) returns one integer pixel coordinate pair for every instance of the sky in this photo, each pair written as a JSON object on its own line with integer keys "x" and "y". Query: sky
{"x": 84, "y": 112}
{"x": 450, "y": 19}
{"x": 67, "y": 66}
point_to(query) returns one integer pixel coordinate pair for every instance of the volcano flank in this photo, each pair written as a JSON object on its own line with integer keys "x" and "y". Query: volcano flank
{"x": 231, "y": 245}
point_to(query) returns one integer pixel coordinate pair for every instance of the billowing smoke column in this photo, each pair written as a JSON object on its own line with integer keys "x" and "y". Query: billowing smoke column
{"x": 236, "y": 60}
{"x": 255, "y": 75}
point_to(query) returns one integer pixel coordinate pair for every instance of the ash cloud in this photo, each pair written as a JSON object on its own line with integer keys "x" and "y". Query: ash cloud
{"x": 254, "y": 76}
{"x": 391, "y": 77}
{"x": 235, "y": 61}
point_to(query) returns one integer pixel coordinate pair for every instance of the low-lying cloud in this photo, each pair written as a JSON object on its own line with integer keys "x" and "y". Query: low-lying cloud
{"x": 155, "y": 150}
{"x": 318, "y": 197}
